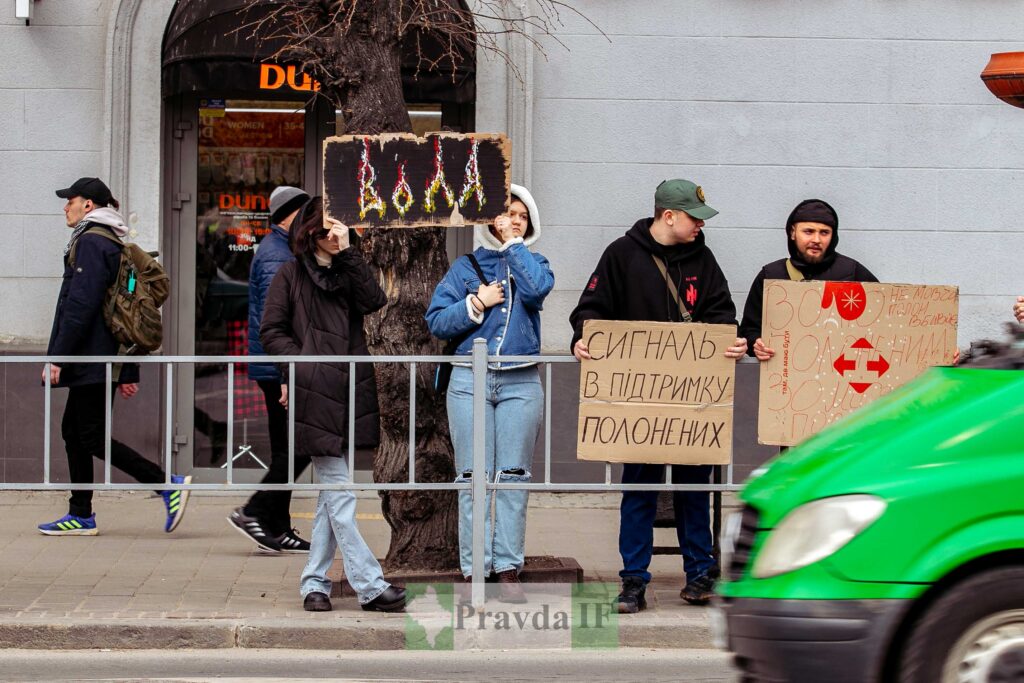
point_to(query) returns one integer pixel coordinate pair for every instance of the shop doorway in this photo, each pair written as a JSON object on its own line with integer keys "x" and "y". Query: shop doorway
{"x": 236, "y": 126}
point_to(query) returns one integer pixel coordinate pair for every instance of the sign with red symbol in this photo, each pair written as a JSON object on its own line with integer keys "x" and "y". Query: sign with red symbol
{"x": 840, "y": 345}
{"x": 849, "y": 297}
{"x": 848, "y": 367}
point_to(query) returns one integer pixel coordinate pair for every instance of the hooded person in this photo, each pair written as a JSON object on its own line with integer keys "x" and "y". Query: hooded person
{"x": 92, "y": 259}
{"x": 812, "y": 235}
{"x": 497, "y": 293}
{"x": 661, "y": 270}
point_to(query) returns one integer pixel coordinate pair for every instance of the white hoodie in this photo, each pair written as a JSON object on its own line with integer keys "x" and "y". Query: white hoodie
{"x": 483, "y": 235}
{"x": 110, "y": 218}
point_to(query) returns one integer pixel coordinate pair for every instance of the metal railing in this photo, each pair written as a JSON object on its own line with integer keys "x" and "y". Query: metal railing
{"x": 478, "y": 487}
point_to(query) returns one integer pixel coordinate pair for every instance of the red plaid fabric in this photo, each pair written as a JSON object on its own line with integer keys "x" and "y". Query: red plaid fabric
{"x": 248, "y": 396}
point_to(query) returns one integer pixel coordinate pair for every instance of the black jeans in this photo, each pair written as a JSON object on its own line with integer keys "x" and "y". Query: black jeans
{"x": 271, "y": 507}
{"x": 82, "y": 430}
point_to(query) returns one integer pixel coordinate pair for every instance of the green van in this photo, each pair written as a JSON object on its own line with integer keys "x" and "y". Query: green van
{"x": 889, "y": 547}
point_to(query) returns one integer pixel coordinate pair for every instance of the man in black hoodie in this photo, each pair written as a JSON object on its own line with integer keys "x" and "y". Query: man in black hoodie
{"x": 812, "y": 234}
{"x": 662, "y": 271}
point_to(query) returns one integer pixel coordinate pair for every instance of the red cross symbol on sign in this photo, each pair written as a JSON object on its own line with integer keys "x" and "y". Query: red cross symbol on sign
{"x": 878, "y": 366}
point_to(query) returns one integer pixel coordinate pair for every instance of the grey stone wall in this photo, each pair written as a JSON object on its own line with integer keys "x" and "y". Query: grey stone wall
{"x": 52, "y": 86}
{"x": 876, "y": 107}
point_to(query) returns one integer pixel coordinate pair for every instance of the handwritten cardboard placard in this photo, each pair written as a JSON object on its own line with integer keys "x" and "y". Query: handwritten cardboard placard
{"x": 656, "y": 393}
{"x": 841, "y": 345}
{"x": 402, "y": 181}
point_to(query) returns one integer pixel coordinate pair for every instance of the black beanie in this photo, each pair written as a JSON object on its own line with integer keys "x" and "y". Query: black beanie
{"x": 814, "y": 211}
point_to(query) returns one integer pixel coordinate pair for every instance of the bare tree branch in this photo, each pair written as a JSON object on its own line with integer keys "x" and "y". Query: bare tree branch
{"x": 311, "y": 31}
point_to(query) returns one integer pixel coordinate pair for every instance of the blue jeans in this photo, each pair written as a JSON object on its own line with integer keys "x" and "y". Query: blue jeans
{"x": 514, "y": 407}
{"x": 693, "y": 519}
{"x": 334, "y": 526}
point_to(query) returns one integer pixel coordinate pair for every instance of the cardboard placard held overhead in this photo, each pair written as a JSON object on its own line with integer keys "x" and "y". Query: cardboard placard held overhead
{"x": 841, "y": 345}
{"x": 401, "y": 181}
{"x": 656, "y": 393}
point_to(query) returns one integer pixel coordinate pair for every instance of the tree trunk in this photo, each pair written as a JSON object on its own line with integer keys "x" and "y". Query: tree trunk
{"x": 424, "y": 526}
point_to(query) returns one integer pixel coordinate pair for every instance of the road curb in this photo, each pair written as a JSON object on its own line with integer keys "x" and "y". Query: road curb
{"x": 207, "y": 634}
{"x": 129, "y": 634}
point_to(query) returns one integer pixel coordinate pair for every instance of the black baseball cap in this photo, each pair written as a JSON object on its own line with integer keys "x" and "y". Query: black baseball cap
{"x": 88, "y": 188}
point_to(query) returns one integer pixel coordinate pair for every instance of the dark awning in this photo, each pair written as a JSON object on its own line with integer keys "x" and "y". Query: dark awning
{"x": 209, "y": 49}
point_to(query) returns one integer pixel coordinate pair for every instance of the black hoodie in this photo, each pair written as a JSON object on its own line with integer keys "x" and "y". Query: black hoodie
{"x": 833, "y": 266}
{"x": 627, "y": 284}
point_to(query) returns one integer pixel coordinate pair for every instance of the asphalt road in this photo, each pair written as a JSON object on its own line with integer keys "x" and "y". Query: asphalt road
{"x": 594, "y": 666}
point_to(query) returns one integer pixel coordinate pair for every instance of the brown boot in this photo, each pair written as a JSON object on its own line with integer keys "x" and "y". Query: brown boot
{"x": 464, "y": 591}
{"x": 510, "y": 589}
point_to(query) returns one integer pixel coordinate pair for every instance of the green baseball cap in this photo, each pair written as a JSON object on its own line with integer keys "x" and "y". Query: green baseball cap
{"x": 682, "y": 195}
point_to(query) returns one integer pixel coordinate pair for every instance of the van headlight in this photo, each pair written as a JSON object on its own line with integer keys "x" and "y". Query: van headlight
{"x": 814, "y": 531}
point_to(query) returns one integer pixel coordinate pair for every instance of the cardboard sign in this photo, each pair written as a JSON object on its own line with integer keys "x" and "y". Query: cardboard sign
{"x": 402, "y": 181}
{"x": 656, "y": 393}
{"x": 841, "y": 345}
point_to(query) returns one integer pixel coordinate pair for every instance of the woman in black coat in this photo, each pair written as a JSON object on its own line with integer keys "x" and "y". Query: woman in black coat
{"x": 315, "y": 307}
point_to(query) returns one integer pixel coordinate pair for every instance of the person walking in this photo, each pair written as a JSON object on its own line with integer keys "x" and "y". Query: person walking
{"x": 662, "y": 270}
{"x": 497, "y": 293}
{"x": 92, "y": 258}
{"x": 264, "y": 518}
{"x": 315, "y": 307}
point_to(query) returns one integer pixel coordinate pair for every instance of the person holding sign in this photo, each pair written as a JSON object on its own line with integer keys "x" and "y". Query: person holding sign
{"x": 812, "y": 235}
{"x": 496, "y": 293}
{"x": 661, "y": 270}
{"x": 315, "y": 307}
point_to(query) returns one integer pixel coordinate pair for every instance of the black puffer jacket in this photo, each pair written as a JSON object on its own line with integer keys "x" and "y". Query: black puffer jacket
{"x": 627, "y": 284}
{"x": 315, "y": 311}
{"x": 833, "y": 267}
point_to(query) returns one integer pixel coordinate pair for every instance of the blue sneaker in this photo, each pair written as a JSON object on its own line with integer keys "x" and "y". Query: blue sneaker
{"x": 175, "y": 501}
{"x": 71, "y": 525}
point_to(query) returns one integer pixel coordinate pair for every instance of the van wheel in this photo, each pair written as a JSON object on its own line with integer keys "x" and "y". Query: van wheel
{"x": 974, "y": 633}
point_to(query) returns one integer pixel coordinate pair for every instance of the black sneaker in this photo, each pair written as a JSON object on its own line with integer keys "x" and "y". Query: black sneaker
{"x": 291, "y": 542}
{"x": 316, "y": 602}
{"x": 632, "y": 598}
{"x": 251, "y": 528}
{"x": 391, "y": 600}
{"x": 699, "y": 591}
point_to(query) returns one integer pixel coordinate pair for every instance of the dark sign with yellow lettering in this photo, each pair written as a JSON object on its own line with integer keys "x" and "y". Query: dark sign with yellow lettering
{"x": 400, "y": 180}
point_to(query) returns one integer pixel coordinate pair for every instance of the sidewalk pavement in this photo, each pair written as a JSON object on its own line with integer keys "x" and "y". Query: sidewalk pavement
{"x": 206, "y": 586}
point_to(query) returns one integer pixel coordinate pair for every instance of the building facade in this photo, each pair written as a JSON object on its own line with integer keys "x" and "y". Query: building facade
{"x": 875, "y": 107}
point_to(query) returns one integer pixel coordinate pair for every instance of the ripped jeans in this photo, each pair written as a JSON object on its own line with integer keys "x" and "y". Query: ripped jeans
{"x": 514, "y": 407}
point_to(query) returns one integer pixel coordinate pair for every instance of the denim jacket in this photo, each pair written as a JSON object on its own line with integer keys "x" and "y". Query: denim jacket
{"x": 511, "y": 328}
